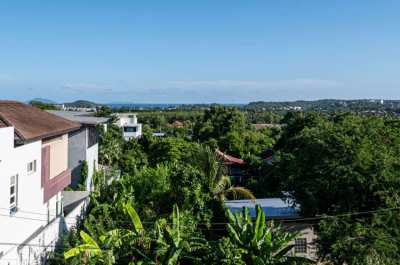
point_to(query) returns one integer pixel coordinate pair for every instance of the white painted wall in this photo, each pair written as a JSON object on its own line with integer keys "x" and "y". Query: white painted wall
{"x": 32, "y": 212}
{"x": 92, "y": 159}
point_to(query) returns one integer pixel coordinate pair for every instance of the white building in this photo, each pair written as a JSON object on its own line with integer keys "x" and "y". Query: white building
{"x": 34, "y": 172}
{"x": 131, "y": 129}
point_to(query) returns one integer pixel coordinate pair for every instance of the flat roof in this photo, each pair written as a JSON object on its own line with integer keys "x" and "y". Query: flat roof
{"x": 83, "y": 117}
{"x": 273, "y": 207}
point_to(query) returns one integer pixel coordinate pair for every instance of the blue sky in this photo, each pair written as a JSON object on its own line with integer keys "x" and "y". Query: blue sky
{"x": 199, "y": 51}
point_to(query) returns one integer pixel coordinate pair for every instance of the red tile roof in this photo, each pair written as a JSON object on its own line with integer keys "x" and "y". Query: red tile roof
{"x": 176, "y": 124}
{"x": 31, "y": 123}
{"x": 229, "y": 159}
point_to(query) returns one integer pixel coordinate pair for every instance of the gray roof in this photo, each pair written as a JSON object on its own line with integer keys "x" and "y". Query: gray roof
{"x": 82, "y": 117}
{"x": 72, "y": 199}
{"x": 273, "y": 207}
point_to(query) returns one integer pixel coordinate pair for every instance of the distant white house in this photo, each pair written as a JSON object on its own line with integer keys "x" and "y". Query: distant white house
{"x": 131, "y": 129}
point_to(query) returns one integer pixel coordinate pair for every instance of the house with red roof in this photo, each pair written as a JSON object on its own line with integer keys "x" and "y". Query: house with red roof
{"x": 233, "y": 164}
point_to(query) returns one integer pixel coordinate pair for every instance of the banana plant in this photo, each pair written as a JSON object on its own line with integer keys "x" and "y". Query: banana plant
{"x": 91, "y": 251}
{"x": 262, "y": 243}
{"x": 172, "y": 243}
{"x": 102, "y": 252}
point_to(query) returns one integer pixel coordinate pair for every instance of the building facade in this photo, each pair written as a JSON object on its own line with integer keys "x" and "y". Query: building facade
{"x": 34, "y": 169}
{"x": 131, "y": 129}
{"x": 83, "y": 144}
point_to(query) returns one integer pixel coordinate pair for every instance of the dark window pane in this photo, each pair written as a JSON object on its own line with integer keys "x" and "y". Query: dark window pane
{"x": 130, "y": 129}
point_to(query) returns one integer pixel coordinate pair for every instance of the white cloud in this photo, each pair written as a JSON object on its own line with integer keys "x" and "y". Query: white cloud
{"x": 275, "y": 84}
{"x": 85, "y": 87}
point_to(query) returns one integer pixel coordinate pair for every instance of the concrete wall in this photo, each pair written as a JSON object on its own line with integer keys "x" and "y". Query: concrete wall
{"x": 307, "y": 232}
{"x": 58, "y": 154}
{"x": 77, "y": 153}
{"x": 35, "y": 248}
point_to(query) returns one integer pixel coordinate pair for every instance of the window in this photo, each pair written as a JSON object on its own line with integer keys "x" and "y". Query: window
{"x": 300, "y": 245}
{"x": 130, "y": 129}
{"x": 32, "y": 167}
{"x": 93, "y": 136}
{"x": 13, "y": 194}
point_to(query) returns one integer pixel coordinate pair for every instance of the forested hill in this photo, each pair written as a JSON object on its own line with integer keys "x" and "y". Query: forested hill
{"x": 329, "y": 105}
{"x": 82, "y": 104}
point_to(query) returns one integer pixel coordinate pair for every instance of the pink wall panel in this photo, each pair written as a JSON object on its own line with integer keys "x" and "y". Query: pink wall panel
{"x": 52, "y": 186}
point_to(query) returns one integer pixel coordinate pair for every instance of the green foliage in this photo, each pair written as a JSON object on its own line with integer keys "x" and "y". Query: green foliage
{"x": 227, "y": 129}
{"x": 168, "y": 150}
{"x": 217, "y": 122}
{"x": 103, "y": 111}
{"x": 352, "y": 161}
{"x": 42, "y": 105}
{"x": 262, "y": 178}
{"x": 261, "y": 243}
{"x": 225, "y": 252}
{"x": 339, "y": 164}
{"x": 177, "y": 241}
{"x": 111, "y": 143}
{"x": 133, "y": 157}
{"x": 90, "y": 251}
{"x": 84, "y": 174}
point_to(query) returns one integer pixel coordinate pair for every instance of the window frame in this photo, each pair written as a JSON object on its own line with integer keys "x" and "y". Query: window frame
{"x": 13, "y": 195}
{"x": 300, "y": 245}
{"x": 32, "y": 167}
{"x": 127, "y": 129}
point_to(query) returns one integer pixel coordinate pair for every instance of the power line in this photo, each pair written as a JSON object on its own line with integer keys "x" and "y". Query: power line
{"x": 293, "y": 219}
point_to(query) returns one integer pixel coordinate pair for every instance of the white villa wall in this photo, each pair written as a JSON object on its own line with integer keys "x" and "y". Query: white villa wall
{"x": 92, "y": 159}
{"x": 32, "y": 213}
{"x": 15, "y": 229}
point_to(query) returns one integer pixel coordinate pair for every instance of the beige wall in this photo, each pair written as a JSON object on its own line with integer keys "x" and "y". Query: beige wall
{"x": 305, "y": 231}
{"x": 58, "y": 154}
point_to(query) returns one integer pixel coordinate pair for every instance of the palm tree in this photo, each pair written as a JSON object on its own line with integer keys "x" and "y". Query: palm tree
{"x": 215, "y": 171}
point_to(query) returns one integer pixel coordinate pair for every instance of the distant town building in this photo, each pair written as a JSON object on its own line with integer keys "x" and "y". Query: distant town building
{"x": 131, "y": 129}
{"x": 176, "y": 125}
{"x": 262, "y": 126}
